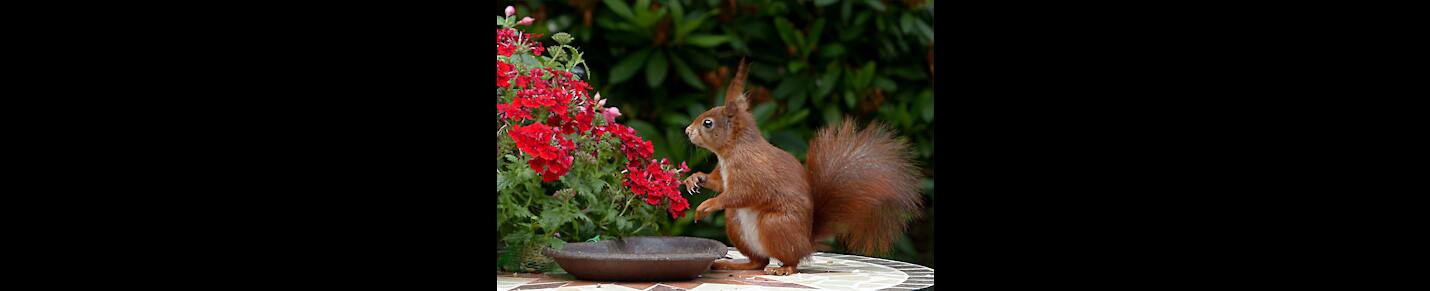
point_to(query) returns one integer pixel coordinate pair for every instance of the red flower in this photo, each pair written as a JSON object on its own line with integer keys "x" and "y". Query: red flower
{"x": 537, "y": 49}
{"x": 506, "y": 49}
{"x": 504, "y": 71}
{"x": 513, "y": 112}
{"x": 551, "y": 161}
{"x": 678, "y": 205}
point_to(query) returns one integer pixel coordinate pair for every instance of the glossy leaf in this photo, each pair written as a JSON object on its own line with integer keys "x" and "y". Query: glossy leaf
{"x": 686, "y": 74}
{"x": 876, "y": 4}
{"x": 706, "y": 40}
{"x": 831, "y": 50}
{"x": 762, "y": 112}
{"x": 786, "y": 30}
{"x": 886, "y": 84}
{"x": 675, "y": 119}
{"x": 655, "y": 68}
{"x": 683, "y": 28}
{"x": 623, "y": 70}
{"x": 677, "y": 11}
{"x": 620, "y": 8}
{"x": 815, "y": 31}
{"x": 822, "y": 3}
{"x": 828, "y": 82}
{"x": 866, "y": 75}
{"x": 788, "y": 87}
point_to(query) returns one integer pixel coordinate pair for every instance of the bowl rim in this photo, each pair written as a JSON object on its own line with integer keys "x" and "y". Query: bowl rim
{"x": 711, "y": 255}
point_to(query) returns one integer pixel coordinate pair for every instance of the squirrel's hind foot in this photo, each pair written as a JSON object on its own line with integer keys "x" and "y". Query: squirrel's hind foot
{"x": 781, "y": 271}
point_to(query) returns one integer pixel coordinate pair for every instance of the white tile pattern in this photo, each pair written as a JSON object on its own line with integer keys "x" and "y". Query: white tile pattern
{"x": 820, "y": 271}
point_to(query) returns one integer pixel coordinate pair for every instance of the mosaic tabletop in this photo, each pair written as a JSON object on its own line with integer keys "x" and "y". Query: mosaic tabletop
{"x": 820, "y": 271}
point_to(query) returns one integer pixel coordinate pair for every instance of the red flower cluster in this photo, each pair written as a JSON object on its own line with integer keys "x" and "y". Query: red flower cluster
{"x": 636, "y": 148}
{"x": 655, "y": 182}
{"x": 565, "y": 115}
{"x": 551, "y": 152}
{"x": 504, "y": 72}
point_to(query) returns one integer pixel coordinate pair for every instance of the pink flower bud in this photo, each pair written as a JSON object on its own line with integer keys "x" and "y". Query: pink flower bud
{"x": 510, "y": 11}
{"x": 611, "y": 114}
{"x": 525, "y": 21}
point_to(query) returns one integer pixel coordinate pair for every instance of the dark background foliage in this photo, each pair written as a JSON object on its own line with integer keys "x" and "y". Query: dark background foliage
{"x": 663, "y": 62}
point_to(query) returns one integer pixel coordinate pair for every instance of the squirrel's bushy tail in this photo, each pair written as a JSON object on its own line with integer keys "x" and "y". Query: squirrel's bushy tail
{"x": 865, "y": 186}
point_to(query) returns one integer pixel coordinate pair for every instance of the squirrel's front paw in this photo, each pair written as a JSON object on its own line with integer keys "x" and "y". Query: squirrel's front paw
{"x": 708, "y": 207}
{"x": 692, "y": 183}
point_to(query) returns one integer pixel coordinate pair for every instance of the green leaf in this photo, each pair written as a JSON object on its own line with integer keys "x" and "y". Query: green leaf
{"x": 786, "y": 30}
{"x": 797, "y": 100}
{"x": 831, "y": 115}
{"x": 675, "y": 119}
{"x": 516, "y": 239}
{"x": 706, "y": 40}
{"x": 814, "y": 33}
{"x": 828, "y": 82}
{"x": 849, "y": 99}
{"x": 552, "y": 218}
{"x": 865, "y": 76}
{"x": 925, "y": 29}
{"x": 677, "y": 11}
{"x": 675, "y": 136}
{"x": 686, "y": 74}
{"x": 878, "y": 6}
{"x": 764, "y": 72}
{"x": 906, "y": 23}
{"x": 695, "y": 110}
{"x": 831, "y": 50}
{"x": 886, "y": 84}
{"x": 499, "y": 19}
{"x": 787, "y": 87}
{"x": 656, "y": 68}
{"x": 556, "y": 243}
{"x": 623, "y": 70}
{"x": 790, "y": 142}
{"x": 926, "y": 102}
{"x": 822, "y": 3}
{"x": 643, "y": 129}
{"x": 620, "y": 8}
{"x": 762, "y": 112}
{"x": 908, "y": 72}
{"x": 683, "y": 28}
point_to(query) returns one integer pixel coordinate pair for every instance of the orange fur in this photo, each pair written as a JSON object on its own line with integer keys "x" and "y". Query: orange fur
{"x": 855, "y": 186}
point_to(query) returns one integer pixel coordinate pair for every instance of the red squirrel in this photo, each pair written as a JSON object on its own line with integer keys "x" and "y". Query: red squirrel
{"x": 859, "y": 186}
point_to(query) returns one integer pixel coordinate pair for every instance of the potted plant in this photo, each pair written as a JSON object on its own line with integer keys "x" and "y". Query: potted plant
{"x": 566, "y": 170}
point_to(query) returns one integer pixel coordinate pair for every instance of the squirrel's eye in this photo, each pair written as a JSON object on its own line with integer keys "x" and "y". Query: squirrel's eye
{"x": 709, "y": 123}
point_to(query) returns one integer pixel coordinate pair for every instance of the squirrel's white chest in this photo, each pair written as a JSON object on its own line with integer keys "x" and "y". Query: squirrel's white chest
{"x": 750, "y": 230}
{"x": 725, "y": 180}
{"x": 749, "y": 219}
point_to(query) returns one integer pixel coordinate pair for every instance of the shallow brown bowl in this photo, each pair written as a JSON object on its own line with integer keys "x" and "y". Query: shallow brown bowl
{"x": 642, "y": 258}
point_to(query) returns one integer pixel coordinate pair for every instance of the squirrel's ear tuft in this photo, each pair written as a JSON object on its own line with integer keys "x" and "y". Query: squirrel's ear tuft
{"x": 735, "y": 97}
